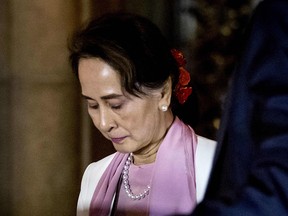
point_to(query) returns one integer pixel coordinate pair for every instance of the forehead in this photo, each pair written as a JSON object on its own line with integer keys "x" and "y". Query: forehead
{"x": 95, "y": 65}
{"x": 97, "y": 75}
{"x": 93, "y": 68}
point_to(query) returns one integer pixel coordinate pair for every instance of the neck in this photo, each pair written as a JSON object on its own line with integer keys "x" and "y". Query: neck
{"x": 148, "y": 155}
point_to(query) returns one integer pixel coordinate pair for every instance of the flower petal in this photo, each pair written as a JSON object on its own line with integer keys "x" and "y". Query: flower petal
{"x": 183, "y": 93}
{"x": 179, "y": 57}
{"x": 184, "y": 77}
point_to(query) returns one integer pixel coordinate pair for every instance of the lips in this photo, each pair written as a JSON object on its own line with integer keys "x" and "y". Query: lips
{"x": 118, "y": 140}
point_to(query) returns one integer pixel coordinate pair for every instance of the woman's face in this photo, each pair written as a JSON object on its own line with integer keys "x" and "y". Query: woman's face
{"x": 133, "y": 124}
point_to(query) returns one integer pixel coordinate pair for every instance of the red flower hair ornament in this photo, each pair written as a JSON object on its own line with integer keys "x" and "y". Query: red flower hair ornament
{"x": 182, "y": 90}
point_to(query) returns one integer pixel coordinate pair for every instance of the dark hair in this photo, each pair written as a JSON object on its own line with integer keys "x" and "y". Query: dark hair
{"x": 132, "y": 45}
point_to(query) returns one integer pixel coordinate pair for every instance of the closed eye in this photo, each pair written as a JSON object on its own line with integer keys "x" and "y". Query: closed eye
{"x": 116, "y": 107}
{"x": 92, "y": 106}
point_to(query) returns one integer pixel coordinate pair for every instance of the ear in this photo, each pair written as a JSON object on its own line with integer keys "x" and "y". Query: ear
{"x": 166, "y": 94}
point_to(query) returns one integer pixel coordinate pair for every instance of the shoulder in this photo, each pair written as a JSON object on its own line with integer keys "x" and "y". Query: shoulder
{"x": 89, "y": 182}
{"x": 271, "y": 5}
{"x": 94, "y": 172}
{"x": 205, "y": 145}
{"x": 272, "y": 14}
{"x": 99, "y": 166}
{"x": 204, "y": 156}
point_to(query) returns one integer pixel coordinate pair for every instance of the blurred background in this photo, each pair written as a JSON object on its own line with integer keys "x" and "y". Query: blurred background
{"x": 46, "y": 137}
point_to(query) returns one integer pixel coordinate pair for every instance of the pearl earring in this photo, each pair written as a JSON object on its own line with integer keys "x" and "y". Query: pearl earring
{"x": 164, "y": 108}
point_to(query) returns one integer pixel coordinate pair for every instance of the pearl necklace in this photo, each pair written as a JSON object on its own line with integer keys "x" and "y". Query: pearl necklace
{"x": 125, "y": 179}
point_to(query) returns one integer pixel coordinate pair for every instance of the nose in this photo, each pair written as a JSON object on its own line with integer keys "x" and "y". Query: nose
{"x": 106, "y": 121}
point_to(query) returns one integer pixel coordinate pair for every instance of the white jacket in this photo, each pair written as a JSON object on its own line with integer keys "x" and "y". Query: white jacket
{"x": 203, "y": 163}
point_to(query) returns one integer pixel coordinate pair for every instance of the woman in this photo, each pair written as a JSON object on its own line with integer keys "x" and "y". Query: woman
{"x": 133, "y": 82}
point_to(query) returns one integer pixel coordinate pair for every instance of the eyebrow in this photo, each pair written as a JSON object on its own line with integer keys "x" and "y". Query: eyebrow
{"x": 106, "y": 97}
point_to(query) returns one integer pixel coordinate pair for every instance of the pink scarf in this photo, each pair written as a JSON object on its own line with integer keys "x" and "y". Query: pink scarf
{"x": 173, "y": 188}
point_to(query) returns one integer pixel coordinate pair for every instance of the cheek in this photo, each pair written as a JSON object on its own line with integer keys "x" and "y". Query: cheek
{"x": 140, "y": 116}
{"x": 94, "y": 117}
{"x": 143, "y": 124}
{"x": 140, "y": 113}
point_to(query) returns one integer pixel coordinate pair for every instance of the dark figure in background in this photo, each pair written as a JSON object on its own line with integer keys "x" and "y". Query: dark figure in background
{"x": 250, "y": 173}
